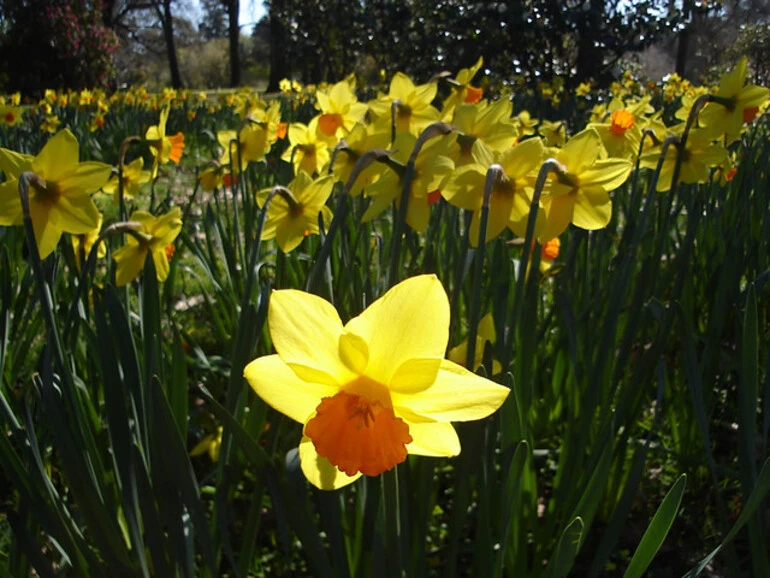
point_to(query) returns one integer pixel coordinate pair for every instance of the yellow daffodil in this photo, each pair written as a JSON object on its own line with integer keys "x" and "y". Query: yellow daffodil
{"x": 164, "y": 148}
{"x": 10, "y": 115}
{"x": 621, "y": 136}
{"x": 362, "y": 138}
{"x": 133, "y": 179}
{"x": 308, "y": 147}
{"x": 158, "y": 235}
{"x": 511, "y": 196}
{"x": 291, "y": 218}
{"x": 485, "y": 334}
{"x": 580, "y": 195}
{"x": 414, "y": 110}
{"x": 210, "y": 445}
{"x": 742, "y": 103}
{"x": 374, "y": 390}
{"x": 462, "y": 90}
{"x": 430, "y": 168}
{"x": 554, "y": 133}
{"x": 87, "y": 242}
{"x": 340, "y": 110}
{"x": 50, "y": 123}
{"x": 700, "y": 155}
{"x": 254, "y": 145}
{"x": 489, "y": 122}
{"x": 64, "y": 204}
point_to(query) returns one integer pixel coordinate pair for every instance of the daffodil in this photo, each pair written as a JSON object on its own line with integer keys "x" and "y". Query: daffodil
{"x": 413, "y": 104}
{"x": 210, "y": 444}
{"x": 580, "y": 194}
{"x": 62, "y": 202}
{"x": 739, "y": 103}
{"x": 488, "y": 122}
{"x": 340, "y": 109}
{"x": 87, "y": 242}
{"x": 431, "y": 167}
{"x": 462, "y": 90}
{"x": 157, "y": 237}
{"x": 700, "y": 154}
{"x": 621, "y": 136}
{"x": 308, "y": 147}
{"x": 374, "y": 390}
{"x": 133, "y": 179}
{"x": 164, "y": 148}
{"x": 293, "y": 215}
{"x": 253, "y": 141}
{"x": 486, "y": 334}
{"x": 10, "y": 115}
{"x": 511, "y": 196}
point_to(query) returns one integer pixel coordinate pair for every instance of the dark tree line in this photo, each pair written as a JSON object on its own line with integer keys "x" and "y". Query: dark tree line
{"x": 323, "y": 39}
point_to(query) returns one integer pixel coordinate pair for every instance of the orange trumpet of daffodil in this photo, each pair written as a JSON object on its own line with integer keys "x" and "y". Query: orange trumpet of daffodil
{"x": 63, "y": 204}
{"x": 373, "y": 390}
{"x": 164, "y": 148}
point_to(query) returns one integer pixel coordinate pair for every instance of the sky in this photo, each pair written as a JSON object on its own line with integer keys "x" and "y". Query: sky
{"x": 251, "y": 12}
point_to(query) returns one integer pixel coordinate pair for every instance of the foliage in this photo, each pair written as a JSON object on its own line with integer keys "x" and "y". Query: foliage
{"x": 55, "y": 44}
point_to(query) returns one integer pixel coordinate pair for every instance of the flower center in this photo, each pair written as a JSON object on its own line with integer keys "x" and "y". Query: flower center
{"x": 622, "y": 120}
{"x": 357, "y": 431}
{"x": 329, "y": 123}
{"x": 48, "y": 194}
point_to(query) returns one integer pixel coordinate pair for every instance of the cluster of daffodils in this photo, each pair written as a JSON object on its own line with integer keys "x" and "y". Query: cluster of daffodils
{"x": 449, "y": 152}
{"x": 60, "y": 190}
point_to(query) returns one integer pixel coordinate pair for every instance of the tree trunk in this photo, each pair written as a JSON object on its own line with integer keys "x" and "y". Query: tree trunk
{"x": 167, "y": 22}
{"x": 234, "y": 35}
{"x": 279, "y": 65}
{"x": 684, "y": 40}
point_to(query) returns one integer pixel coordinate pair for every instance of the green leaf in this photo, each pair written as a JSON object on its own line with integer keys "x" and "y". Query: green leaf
{"x": 657, "y": 530}
{"x": 566, "y": 549}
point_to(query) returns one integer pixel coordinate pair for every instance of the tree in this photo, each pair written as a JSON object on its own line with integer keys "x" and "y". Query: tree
{"x": 213, "y": 24}
{"x": 55, "y": 45}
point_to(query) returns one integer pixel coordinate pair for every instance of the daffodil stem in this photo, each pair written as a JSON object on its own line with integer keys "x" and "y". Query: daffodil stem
{"x": 121, "y": 163}
{"x": 494, "y": 172}
{"x": 340, "y": 213}
{"x": 432, "y": 131}
{"x": 234, "y": 187}
{"x": 129, "y": 227}
{"x": 391, "y": 504}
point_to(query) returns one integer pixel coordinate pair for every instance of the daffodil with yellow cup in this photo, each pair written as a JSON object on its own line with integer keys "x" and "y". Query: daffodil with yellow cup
{"x": 156, "y": 237}
{"x": 373, "y": 390}
{"x": 60, "y": 201}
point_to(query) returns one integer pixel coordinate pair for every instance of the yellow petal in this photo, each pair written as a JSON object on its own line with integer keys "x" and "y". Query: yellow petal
{"x": 456, "y": 395}
{"x": 162, "y": 266}
{"x": 354, "y": 352}
{"x": 13, "y": 163}
{"x": 415, "y": 375}
{"x": 130, "y": 262}
{"x": 10, "y": 204}
{"x": 85, "y": 178}
{"x": 558, "y": 215}
{"x": 410, "y": 321}
{"x": 77, "y": 215}
{"x": 592, "y": 210}
{"x": 305, "y": 330}
{"x": 436, "y": 439}
{"x": 283, "y": 390}
{"x": 47, "y": 233}
{"x": 580, "y": 151}
{"x": 58, "y": 156}
{"x": 319, "y": 471}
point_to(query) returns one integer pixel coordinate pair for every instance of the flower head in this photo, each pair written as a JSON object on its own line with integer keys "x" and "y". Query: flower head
{"x": 374, "y": 390}
{"x": 156, "y": 234}
{"x": 61, "y": 201}
{"x": 293, "y": 215}
{"x": 164, "y": 148}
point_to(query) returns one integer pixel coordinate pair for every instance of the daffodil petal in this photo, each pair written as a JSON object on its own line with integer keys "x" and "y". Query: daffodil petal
{"x": 415, "y": 375}
{"x": 435, "y": 439}
{"x": 283, "y": 390}
{"x": 85, "y": 178}
{"x": 592, "y": 210}
{"x": 354, "y": 352}
{"x": 456, "y": 395}
{"x": 130, "y": 262}
{"x": 47, "y": 232}
{"x": 10, "y": 204}
{"x": 58, "y": 156}
{"x": 305, "y": 330}
{"x": 319, "y": 471}
{"x": 78, "y": 215}
{"x": 410, "y": 321}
